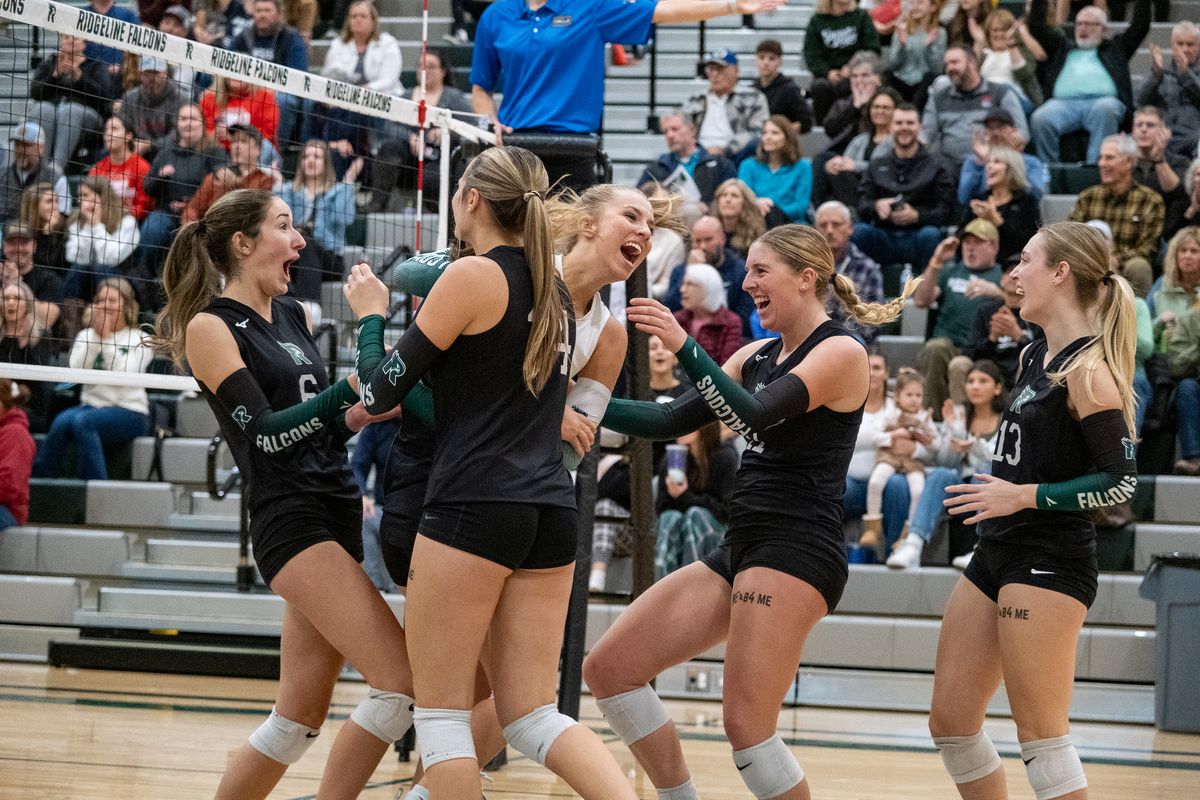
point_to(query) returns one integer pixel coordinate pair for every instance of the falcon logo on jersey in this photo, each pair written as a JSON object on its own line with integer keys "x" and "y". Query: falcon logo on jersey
{"x": 1024, "y": 397}
{"x": 241, "y": 416}
{"x": 295, "y": 352}
{"x": 394, "y": 368}
{"x": 1129, "y": 447}
{"x": 242, "y": 324}
{"x": 758, "y": 387}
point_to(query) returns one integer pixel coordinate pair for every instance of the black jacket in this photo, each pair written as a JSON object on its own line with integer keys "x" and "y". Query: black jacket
{"x": 922, "y": 180}
{"x": 94, "y": 89}
{"x": 191, "y": 167}
{"x": 784, "y": 97}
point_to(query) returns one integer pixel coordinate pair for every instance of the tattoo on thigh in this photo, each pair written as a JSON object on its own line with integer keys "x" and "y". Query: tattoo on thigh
{"x": 1009, "y": 612}
{"x": 753, "y": 598}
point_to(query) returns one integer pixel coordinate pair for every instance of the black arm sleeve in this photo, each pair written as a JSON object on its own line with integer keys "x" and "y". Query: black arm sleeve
{"x": 270, "y": 430}
{"x": 385, "y": 381}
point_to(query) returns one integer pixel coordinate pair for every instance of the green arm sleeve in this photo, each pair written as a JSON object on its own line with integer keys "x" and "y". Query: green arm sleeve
{"x": 418, "y": 274}
{"x": 419, "y": 400}
{"x": 271, "y": 430}
{"x": 658, "y": 421}
{"x": 1115, "y": 478}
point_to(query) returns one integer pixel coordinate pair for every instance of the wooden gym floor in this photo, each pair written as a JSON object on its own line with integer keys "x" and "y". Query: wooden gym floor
{"x": 90, "y": 734}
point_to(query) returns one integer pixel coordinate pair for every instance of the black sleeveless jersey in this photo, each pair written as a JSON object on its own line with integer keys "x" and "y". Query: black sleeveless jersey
{"x": 1041, "y": 441}
{"x": 795, "y": 470}
{"x": 283, "y": 359}
{"x": 496, "y": 442}
{"x": 411, "y": 457}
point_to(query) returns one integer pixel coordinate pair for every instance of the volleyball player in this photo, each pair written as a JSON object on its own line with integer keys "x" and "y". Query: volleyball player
{"x": 495, "y": 551}
{"x": 1064, "y": 446}
{"x": 250, "y": 350}
{"x": 798, "y": 401}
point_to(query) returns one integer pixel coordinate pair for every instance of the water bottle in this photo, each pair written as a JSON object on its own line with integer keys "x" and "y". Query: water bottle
{"x": 906, "y": 275}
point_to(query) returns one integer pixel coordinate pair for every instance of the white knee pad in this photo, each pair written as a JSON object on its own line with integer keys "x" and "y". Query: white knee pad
{"x": 768, "y": 768}
{"x": 384, "y": 715}
{"x": 1053, "y": 767}
{"x": 282, "y": 740}
{"x": 968, "y": 758}
{"x": 534, "y": 733}
{"x": 684, "y": 791}
{"x": 443, "y": 734}
{"x": 634, "y": 715}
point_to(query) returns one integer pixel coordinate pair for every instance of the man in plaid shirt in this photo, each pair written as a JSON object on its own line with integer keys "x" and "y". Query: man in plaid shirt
{"x": 1133, "y": 212}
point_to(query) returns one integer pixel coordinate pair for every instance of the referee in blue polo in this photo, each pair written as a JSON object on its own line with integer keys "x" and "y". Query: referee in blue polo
{"x": 550, "y": 56}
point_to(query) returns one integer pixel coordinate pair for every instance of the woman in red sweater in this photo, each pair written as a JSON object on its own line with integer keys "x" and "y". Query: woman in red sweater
{"x": 233, "y": 102}
{"x": 705, "y": 316}
{"x": 123, "y": 168}
{"x": 16, "y": 455}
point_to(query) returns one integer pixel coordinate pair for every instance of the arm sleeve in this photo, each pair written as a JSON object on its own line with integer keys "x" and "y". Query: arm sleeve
{"x": 418, "y": 274}
{"x": 242, "y": 398}
{"x": 1115, "y": 478}
{"x": 659, "y": 421}
{"x": 386, "y": 381}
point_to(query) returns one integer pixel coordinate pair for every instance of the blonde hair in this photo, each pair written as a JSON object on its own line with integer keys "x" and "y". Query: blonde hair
{"x": 347, "y": 35}
{"x": 514, "y": 184}
{"x": 201, "y": 260}
{"x": 1018, "y": 180}
{"x": 112, "y": 208}
{"x": 35, "y": 327}
{"x": 30, "y": 210}
{"x": 568, "y": 211}
{"x": 1085, "y": 250}
{"x": 129, "y": 303}
{"x": 328, "y": 180}
{"x": 1170, "y": 276}
{"x": 801, "y": 247}
{"x": 935, "y": 10}
{"x": 749, "y": 224}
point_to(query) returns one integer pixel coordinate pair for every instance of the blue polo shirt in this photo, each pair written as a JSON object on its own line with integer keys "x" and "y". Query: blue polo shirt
{"x": 552, "y": 59}
{"x": 102, "y": 52}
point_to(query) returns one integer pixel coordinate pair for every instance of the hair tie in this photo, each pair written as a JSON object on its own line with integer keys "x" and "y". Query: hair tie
{"x": 202, "y": 226}
{"x": 531, "y": 194}
{"x": 1108, "y": 277}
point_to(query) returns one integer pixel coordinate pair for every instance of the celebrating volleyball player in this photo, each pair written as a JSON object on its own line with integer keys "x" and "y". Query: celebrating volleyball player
{"x": 1064, "y": 446}
{"x": 495, "y": 551}
{"x": 798, "y": 401}
{"x": 250, "y": 350}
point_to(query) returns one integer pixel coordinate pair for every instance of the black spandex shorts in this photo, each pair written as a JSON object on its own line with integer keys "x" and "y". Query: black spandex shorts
{"x": 514, "y": 535}
{"x": 286, "y": 535}
{"x": 996, "y": 564}
{"x": 398, "y": 529}
{"x": 809, "y": 557}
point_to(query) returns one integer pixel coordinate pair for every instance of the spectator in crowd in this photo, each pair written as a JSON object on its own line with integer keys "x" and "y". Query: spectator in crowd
{"x": 69, "y": 95}
{"x": 704, "y": 313}
{"x": 1008, "y": 204}
{"x": 778, "y": 176}
{"x": 1175, "y": 87}
{"x": 16, "y": 455}
{"x": 999, "y": 130}
{"x": 234, "y": 102}
{"x": 999, "y": 334}
{"x": 741, "y": 217}
{"x": 371, "y": 450}
{"x": 213, "y": 20}
{"x": 22, "y": 341}
{"x": 966, "y": 17}
{"x": 686, "y": 168}
{"x": 783, "y": 95}
{"x": 847, "y": 115}
{"x": 918, "y": 47}
{"x": 19, "y": 246}
{"x": 243, "y": 172}
{"x": 302, "y": 15}
{"x": 903, "y": 197}
{"x": 1183, "y": 355}
{"x": 39, "y": 212}
{"x": 667, "y": 248}
{"x": 1087, "y": 79}
{"x": 729, "y": 116}
{"x": 837, "y": 31}
{"x": 839, "y": 178}
{"x": 151, "y": 12}
{"x": 1191, "y": 214}
{"x": 364, "y": 54}
{"x": 835, "y": 223}
{"x": 1177, "y": 291}
{"x": 322, "y": 207}
{"x": 106, "y": 415}
{"x": 1158, "y": 168}
{"x": 178, "y": 21}
{"x": 710, "y": 246}
{"x": 1008, "y": 55}
{"x": 175, "y": 174}
{"x": 102, "y": 53}
{"x": 101, "y": 236}
{"x": 153, "y": 106}
{"x": 1134, "y": 213}
{"x": 955, "y": 110}
{"x": 268, "y": 37}
{"x": 959, "y": 290}
{"x": 123, "y": 168}
{"x": 964, "y": 450}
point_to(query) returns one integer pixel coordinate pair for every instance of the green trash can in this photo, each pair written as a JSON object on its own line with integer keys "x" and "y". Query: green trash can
{"x": 1173, "y": 582}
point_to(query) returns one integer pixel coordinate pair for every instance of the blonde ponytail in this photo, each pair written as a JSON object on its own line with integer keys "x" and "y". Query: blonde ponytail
{"x": 871, "y": 313}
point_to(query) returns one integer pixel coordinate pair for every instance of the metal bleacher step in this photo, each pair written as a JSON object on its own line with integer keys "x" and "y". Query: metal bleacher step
{"x": 130, "y": 504}
{"x": 64, "y": 551}
{"x": 162, "y": 655}
{"x": 1177, "y": 499}
{"x": 204, "y": 504}
{"x": 39, "y": 599}
{"x": 31, "y": 642}
{"x": 184, "y": 459}
{"x": 1156, "y": 537}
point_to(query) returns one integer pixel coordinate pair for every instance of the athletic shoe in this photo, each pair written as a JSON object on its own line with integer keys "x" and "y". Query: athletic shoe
{"x": 907, "y": 553}
{"x": 1187, "y": 466}
{"x": 597, "y": 580}
{"x": 961, "y": 562}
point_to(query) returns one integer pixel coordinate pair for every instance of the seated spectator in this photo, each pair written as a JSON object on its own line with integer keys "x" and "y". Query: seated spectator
{"x": 728, "y": 117}
{"x": 834, "y": 222}
{"x": 1158, "y": 168}
{"x": 210, "y": 22}
{"x": 27, "y": 166}
{"x": 709, "y": 246}
{"x": 1133, "y": 212}
{"x": 1005, "y": 56}
{"x": 237, "y": 17}
{"x": 1088, "y": 78}
{"x": 123, "y": 168}
{"x": 1191, "y": 214}
{"x": 268, "y": 37}
{"x": 839, "y": 178}
{"x": 965, "y": 19}
{"x": 784, "y": 97}
{"x": 1183, "y": 354}
{"x": 101, "y": 236}
{"x": 741, "y": 216}
{"x": 302, "y": 15}
{"x": 69, "y": 96}
{"x": 39, "y": 212}
{"x": 1008, "y": 206}
{"x": 903, "y": 197}
{"x": 19, "y": 247}
{"x": 959, "y": 290}
{"x": 106, "y": 415}
{"x": 964, "y": 449}
{"x": 999, "y": 334}
{"x": 16, "y": 455}
{"x": 178, "y": 21}
{"x": 233, "y": 102}
{"x": 878, "y": 407}
{"x": 837, "y": 31}
{"x": 704, "y": 314}
{"x": 104, "y": 54}
{"x": 998, "y": 131}
{"x": 22, "y": 341}
{"x": 915, "y": 56}
{"x": 667, "y": 248}
{"x": 363, "y": 54}
{"x": 243, "y": 172}
{"x": 778, "y": 176}
{"x": 849, "y": 115}
{"x": 956, "y": 109}
{"x": 1177, "y": 291}
{"x": 322, "y": 207}
{"x": 686, "y": 169}
{"x": 153, "y": 106}
{"x": 1172, "y": 87}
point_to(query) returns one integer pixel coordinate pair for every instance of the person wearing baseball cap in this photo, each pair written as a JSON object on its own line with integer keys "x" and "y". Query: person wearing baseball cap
{"x": 27, "y": 165}
{"x": 153, "y": 105}
{"x": 242, "y": 172}
{"x": 20, "y": 243}
{"x": 728, "y": 117}
{"x": 999, "y": 130}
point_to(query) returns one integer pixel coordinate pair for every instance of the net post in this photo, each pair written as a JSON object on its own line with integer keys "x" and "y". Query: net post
{"x": 443, "y": 235}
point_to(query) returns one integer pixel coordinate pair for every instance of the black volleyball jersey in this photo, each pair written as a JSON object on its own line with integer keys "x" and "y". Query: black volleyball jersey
{"x": 796, "y": 469}
{"x": 496, "y": 442}
{"x": 411, "y": 456}
{"x": 283, "y": 359}
{"x": 1041, "y": 441}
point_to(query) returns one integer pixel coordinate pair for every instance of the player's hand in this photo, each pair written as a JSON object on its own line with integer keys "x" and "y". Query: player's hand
{"x": 652, "y": 317}
{"x": 989, "y": 498}
{"x": 365, "y": 293}
{"x": 578, "y": 431}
